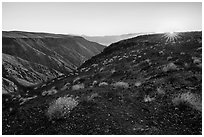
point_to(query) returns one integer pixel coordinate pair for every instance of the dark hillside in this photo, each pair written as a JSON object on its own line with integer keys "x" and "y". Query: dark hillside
{"x": 31, "y": 58}
{"x": 147, "y": 85}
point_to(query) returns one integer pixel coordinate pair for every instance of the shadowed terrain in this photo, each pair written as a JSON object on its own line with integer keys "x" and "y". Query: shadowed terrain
{"x": 31, "y": 58}
{"x": 143, "y": 85}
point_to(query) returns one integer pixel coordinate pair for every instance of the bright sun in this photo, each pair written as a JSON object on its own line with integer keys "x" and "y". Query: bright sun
{"x": 171, "y": 36}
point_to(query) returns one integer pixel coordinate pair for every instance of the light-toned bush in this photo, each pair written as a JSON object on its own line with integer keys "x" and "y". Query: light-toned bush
{"x": 192, "y": 99}
{"x": 82, "y": 69}
{"x": 147, "y": 60}
{"x": 101, "y": 69}
{"x": 94, "y": 82}
{"x": 170, "y": 66}
{"x": 8, "y": 86}
{"x": 169, "y": 58}
{"x": 113, "y": 71}
{"x": 78, "y": 86}
{"x": 196, "y": 60}
{"x": 66, "y": 86}
{"x": 160, "y": 91}
{"x": 148, "y": 99}
{"x": 61, "y": 107}
{"x": 76, "y": 79}
{"x": 103, "y": 84}
{"x": 49, "y": 92}
{"x": 121, "y": 85}
{"x": 138, "y": 83}
{"x": 199, "y": 65}
{"x": 94, "y": 65}
{"x": 23, "y": 100}
{"x": 92, "y": 96}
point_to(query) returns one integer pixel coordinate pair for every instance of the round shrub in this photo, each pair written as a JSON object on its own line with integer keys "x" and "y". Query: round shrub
{"x": 121, "y": 85}
{"x": 190, "y": 98}
{"x": 61, "y": 107}
{"x": 78, "y": 86}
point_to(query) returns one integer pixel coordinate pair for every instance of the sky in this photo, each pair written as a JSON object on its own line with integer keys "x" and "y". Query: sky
{"x": 99, "y": 19}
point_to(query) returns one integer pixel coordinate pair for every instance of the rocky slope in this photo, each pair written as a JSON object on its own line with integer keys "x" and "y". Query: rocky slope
{"x": 144, "y": 85}
{"x": 31, "y": 58}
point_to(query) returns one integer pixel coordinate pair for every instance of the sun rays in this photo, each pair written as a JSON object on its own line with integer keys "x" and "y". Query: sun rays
{"x": 171, "y": 36}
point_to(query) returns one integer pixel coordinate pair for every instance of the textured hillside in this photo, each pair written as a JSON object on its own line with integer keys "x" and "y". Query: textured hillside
{"x": 144, "y": 85}
{"x": 30, "y": 58}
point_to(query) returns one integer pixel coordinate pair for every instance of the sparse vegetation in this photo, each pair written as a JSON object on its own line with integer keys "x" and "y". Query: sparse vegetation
{"x": 169, "y": 67}
{"x": 139, "y": 98}
{"x": 191, "y": 99}
{"x": 49, "y": 92}
{"x": 78, "y": 86}
{"x": 103, "y": 84}
{"x": 61, "y": 107}
{"x": 121, "y": 85}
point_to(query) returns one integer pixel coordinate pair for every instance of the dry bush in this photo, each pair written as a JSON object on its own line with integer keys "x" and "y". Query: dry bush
{"x": 61, "y": 107}
{"x": 169, "y": 67}
{"x": 193, "y": 100}
{"x": 121, "y": 85}
{"x": 103, "y": 84}
{"x": 49, "y": 92}
{"x": 78, "y": 86}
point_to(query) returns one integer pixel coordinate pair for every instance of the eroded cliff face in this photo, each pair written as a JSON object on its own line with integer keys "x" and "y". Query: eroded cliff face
{"x": 31, "y": 58}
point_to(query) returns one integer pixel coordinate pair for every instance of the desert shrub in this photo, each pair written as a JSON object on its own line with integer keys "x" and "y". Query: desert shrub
{"x": 121, "y": 84}
{"x": 92, "y": 96}
{"x": 190, "y": 98}
{"x": 61, "y": 107}
{"x": 94, "y": 82}
{"x": 49, "y": 92}
{"x": 103, "y": 84}
{"x": 66, "y": 86}
{"x": 78, "y": 80}
{"x": 196, "y": 60}
{"x": 138, "y": 83}
{"x": 78, "y": 86}
{"x": 148, "y": 98}
{"x": 160, "y": 90}
{"x": 170, "y": 66}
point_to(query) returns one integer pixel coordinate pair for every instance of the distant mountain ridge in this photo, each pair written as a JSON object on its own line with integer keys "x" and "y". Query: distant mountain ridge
{"x": 32, "y": 57}
{"x": 107, "y": 40}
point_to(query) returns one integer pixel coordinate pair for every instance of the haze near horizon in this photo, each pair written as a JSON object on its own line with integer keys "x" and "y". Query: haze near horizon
{"x": 99, "y": 19}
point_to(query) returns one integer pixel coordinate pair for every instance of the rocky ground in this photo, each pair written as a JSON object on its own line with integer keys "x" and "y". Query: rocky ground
{"x": 144, "y": 85}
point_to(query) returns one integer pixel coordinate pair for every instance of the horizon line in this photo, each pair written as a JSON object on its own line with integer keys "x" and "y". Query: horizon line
{"x": 27, "y": 31}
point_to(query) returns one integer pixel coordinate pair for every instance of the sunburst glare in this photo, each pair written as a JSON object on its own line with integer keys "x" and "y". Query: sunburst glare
{"x": 171, "y": 36}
